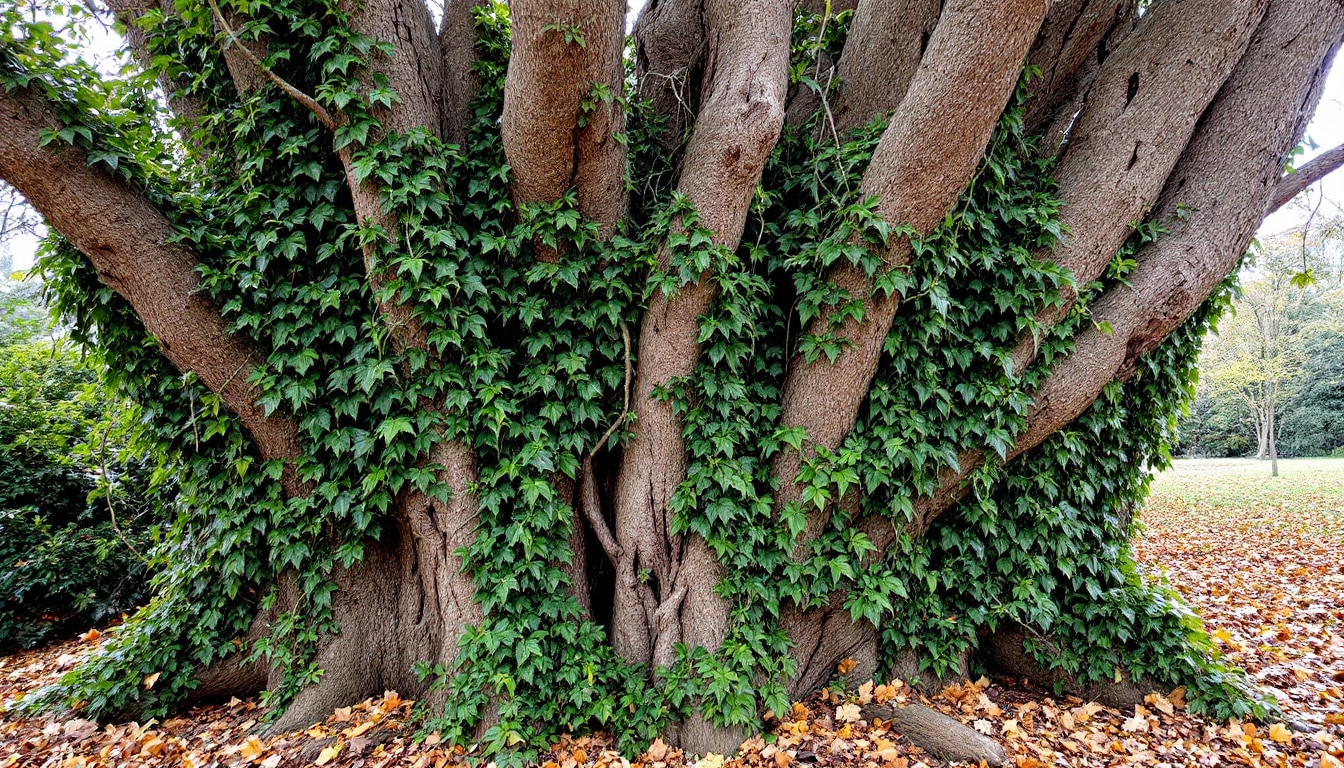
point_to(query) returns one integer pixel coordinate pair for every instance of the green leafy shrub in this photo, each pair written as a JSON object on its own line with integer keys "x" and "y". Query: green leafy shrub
{"x": 74, "y": 508}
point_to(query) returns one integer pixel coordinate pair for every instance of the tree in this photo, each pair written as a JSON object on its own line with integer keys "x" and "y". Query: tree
{"x": 1284, "y": 321}
{"x": 541, "y": 363}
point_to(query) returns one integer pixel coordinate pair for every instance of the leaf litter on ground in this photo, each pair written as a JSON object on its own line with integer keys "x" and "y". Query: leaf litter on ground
{"x": 1260, "y": 558}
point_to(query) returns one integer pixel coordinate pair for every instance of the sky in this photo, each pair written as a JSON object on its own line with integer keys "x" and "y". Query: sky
{"x": 1325, "y": 131}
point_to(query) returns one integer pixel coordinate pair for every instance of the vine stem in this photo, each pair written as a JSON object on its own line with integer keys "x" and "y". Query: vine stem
{"x": 323, "y": 116}
{"x": 590, "y": 501}
{"x": 111, "y": 508}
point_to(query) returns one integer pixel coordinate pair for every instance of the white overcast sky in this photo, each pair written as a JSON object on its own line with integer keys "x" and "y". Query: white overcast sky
{"x": 1326, "y": 131}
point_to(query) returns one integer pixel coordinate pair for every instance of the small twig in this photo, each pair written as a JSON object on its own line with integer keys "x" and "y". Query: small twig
{"x": 323, "y": 116}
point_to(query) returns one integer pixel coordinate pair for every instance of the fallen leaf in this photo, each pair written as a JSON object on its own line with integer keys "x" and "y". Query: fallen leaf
{"x": 150, "y": 680}
{"x": 328, "y": 754}
{"x": 847, "y": 713}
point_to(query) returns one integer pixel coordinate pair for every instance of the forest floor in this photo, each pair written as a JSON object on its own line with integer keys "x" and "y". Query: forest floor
{"x": 1259, "y": 556}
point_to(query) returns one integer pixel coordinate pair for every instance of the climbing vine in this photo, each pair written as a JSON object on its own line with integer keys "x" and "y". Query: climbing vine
{"x": 525, "y": 360}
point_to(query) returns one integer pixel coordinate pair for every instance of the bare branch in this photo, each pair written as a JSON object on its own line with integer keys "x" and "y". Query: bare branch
{"x": 1316, "y": 169}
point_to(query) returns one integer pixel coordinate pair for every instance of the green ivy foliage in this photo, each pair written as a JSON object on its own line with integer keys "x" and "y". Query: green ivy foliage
{"x": 528, "y": 357}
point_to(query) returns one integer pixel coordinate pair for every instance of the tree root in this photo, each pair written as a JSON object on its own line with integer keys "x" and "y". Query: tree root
{"x": 1003, "y": 650}
{"x": 938, "y": 734}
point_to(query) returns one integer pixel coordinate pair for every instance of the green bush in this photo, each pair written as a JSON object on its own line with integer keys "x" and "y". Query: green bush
{"x": 75, "y": 512}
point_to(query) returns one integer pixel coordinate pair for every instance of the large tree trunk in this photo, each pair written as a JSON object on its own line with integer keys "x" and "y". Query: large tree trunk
{"x": 1183, "y": 116}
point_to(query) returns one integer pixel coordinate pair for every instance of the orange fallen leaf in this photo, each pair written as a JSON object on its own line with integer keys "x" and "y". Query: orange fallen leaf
{"x": 150, "y": 680}
{"x": 1280, "y": 734}
{"x": 846, "y": 666}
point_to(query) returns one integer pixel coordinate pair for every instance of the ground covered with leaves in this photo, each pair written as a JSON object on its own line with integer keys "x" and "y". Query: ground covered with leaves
{"x": 1260, "y": 557}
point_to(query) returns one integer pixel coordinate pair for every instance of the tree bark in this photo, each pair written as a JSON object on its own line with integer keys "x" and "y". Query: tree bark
{"x": 1291, "y": 185}
{"x": 1075, "y": 40}
{"x": 130, "y": 243}
{"x": 457, "y": 44}
{"x": 670, "y": 52}
{"x": 746, "y": 58}
{"x": 558, "y": 131}
{"x": 921, "y": 165}
{"x": 883, "y": 51}
{"x": 1214, "y": 199}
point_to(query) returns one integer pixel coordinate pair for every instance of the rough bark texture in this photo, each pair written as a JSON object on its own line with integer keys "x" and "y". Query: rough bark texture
{"x": 1139, "y": 114}
{"x": 1076, "y": 39}
{"x": 738, "y": 124}
{"x": 882, "y": 53}
{"x": 938, "y": 734}
{"x": 670, "y": 50}
{"x": 457, "y": 41}
{"x": 557, "y": 132}
{"x": 1259, "y": 113}
{"x": 407, "y": 602}
{"x": 1005, "y": 651}
{"x": 921, "y": 164}
{"x": 1212, "y": 202}
{"x": 128, "y": 241}
{"x": 920, "y": 167}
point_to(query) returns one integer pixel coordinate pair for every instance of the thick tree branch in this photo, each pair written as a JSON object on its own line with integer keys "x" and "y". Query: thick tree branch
{"x": 884, "y": 48}
{"x": 128, "y": 13}
{"x": 130, "y": 243}
{"x": 1292, "y": 184}
{"x": 561, "y": 108}
{"x": 1225, "y": 175}
{"x": 1139, "y": 113}
{"x": 921, "y": 165}
{"x": 670, "y": 50}
{"x": 457, "y": 46}
{"x": 1076, "y": 39}
{"x": 738, "y": 124}
{"x": 1213, "y": 202}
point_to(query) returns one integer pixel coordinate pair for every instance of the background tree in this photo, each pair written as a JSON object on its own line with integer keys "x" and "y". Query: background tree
{"x": 509, "y": 365}
{"x": 1272, "y": 363}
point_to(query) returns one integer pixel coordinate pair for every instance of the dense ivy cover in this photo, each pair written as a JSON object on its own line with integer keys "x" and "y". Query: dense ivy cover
{"x": 530, "y": 359}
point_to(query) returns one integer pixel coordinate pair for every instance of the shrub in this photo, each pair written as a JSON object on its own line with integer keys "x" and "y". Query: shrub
{"x": 75, "y": 512}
